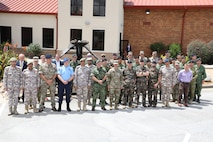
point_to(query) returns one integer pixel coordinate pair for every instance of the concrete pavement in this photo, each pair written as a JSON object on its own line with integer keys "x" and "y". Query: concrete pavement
{"x": 176, "y": 124}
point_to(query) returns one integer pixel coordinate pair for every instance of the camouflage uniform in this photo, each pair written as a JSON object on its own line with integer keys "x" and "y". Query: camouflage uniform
{"x": 99, "y": 90}
{"x": 193, "y": 83}
{"x": 48, "y": 71}
{"x": 114, "y": 81}
{"x": 31, "y": 83}
{"x": 201, "y": 76}
{"x": 175, "y": 90}
{"x": 141, "y": 85}
{"x": 168, "y": 80}
{"x": 89, "y": 95}
{"x": 129, "y": 85}
{"x": 152, "y": 91}
{"x": 74, "y": 64}
{"x": 82, "y": 81}
{"x": 12, "y": 81}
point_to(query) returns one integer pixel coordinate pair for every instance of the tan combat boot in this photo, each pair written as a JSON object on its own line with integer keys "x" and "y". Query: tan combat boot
{"x": 26, "y": 109}
{"x": 79, "y": 106}
{"x": 10, "y": 111}
{"x": 34, "y": 109}
{"x": 15, "y": 110}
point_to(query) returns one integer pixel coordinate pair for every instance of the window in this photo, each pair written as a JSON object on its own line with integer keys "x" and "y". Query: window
{"x": 76, "y": 7}
{"x": 5, "y": 34}
{"x": 48, "y": 37}
{"x": 75, "y": 34}
{"x": 26, "y": 36}
{"x": 98, "y": 40}
{"x": 99, "y": 7}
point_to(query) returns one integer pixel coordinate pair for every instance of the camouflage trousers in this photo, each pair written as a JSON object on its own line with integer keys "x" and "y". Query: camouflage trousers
{"x": 128, "y": 95}
{"x": 82, "y": 94}
{"x": 43, "y": 90}
{"x": 13, "y": 94}
{"x": 89, "y": 94}
{"x": 175, "y": 92}
{"x": 192, "y": 90}
{"x": 141, "y": 87}
{"x": 114, "y": 93}
{"x": 166, "y": 91}
{"x": 99, "y": 92}
{"x": 30, "y": 96}
{"x": 152, "y": 96}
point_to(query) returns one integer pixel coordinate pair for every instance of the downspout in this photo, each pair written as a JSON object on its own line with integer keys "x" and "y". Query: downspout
{"x": 56, "y": 49}
{"x": 182, "y": 30}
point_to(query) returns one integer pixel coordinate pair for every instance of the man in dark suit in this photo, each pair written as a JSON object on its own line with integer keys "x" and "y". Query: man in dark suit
{"x": 128, "y": 48}
{"x": 23, "y": 65}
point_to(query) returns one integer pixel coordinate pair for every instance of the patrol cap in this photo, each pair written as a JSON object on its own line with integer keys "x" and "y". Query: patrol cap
{"x": 98, "y": 61}
{"x": 74, "y": 55}
{"x": 198, "y": 59}
{"x": 30, "y": 62}
{"x": 148, "y": 60}
{"x": 35, "y": 58}
{"x": 48, "y": 56}
{"x": 66, "y": 59}
{"x": 141, "y": 60}
{"x": 89, "y": 55}
{"x": 177, "y": 63}
{"x": 115, "y": 62}
{"x": 160, "y": 59}
{"x": 167, "y": 51}
{"x": 119, "y": 57}
{"x": 129, "y": 61}
{"x": 89, "y": 59}
{"x": 141, "y": 52}
{"x": 114, "y": 54}
{"x": 191, "y": 61}
{"x": 82, "y": 60}
{"x": 193, "y": 54}
{"x": 154, "y": 62}
{"x": 166, "y": 60}
{"x": 13, "y": 59}
{"x": 103, "y": 55}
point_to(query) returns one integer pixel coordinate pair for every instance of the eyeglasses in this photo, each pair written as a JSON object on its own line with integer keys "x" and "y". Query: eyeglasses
{"x": 103, "y": 56}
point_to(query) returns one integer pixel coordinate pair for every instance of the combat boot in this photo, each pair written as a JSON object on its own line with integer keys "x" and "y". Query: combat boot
{"x": 79, "y": 106}
{"x": 59, "y": 107}
{"x": 15, "y": 110}
{"x": 198, "y": 99}
{"x": 26, "y": 109}
{"x": 10, "y": 111}
{"x": 68, "y": 107}
{"x": 84, "y": 106}
{"x": 34, "y": 109}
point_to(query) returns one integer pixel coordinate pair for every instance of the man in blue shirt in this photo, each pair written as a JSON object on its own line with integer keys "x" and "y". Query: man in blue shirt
{"x": 65, "y": 76}
{"x": 184, "y": 77}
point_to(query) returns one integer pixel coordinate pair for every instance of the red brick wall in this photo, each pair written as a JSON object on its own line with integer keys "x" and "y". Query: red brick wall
{"x": 165, "y": 25}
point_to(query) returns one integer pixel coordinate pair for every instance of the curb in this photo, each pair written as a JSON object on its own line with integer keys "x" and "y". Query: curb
{"x": 209, "y": 86}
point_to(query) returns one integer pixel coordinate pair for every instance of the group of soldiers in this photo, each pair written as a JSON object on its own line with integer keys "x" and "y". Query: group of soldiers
{"x": 123, "y": 81}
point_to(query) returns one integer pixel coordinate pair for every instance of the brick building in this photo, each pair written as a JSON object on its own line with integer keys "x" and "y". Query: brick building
{"x": 174, "y": 21}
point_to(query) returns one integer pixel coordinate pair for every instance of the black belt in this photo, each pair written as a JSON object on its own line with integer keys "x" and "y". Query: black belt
{"x": 185, "y": 82}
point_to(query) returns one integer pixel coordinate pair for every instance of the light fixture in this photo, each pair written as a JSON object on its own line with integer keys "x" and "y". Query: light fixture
{"x": 147, "y": 11}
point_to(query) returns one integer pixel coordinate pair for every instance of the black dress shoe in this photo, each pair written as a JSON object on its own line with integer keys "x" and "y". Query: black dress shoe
{"x": 93, "y": 108}
{"x": 59, "y": 109}
{"x": 68, "y": 109}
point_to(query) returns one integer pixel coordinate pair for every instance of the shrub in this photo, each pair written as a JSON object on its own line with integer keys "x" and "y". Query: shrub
{"x": 34, "y": 50}
{"x": 200, "y": 49}
{"x": 174, "y": 50}
{"x": 210, "y": 50}
{"x": 159, "y": 47}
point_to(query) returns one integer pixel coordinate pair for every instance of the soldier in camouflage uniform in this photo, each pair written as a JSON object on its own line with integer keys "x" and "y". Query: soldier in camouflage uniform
{"x": 74, "y": 63}
{"x": 200, "y": 78}
{"x": 167, "y": 79}
{"x": 129, "y": 83}
{"x": 47, "y": 72}
{"x": 91, "y": 67}
{"x": 12, "y": 81}
{"x": 115, "y": 84}
{"x": 175, "y": 90}
{"x": 36, "y": 66}
{"x": 31, "y": 82}
{"x": 194, "y": 70}
{"x": 141, "y": 82}
{"x": 82, "y": 82}
{"x": 153, "y": 85}
{"x": 99, "y": 87}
